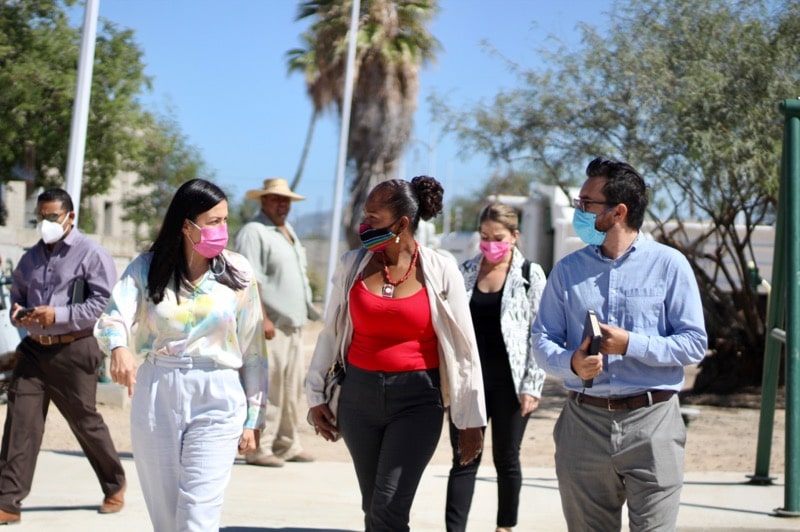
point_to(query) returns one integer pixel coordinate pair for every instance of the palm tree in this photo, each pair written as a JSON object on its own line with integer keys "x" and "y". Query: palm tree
{"x": 393, "y": 43}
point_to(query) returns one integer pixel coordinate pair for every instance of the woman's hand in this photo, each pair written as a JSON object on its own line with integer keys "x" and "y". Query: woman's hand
{"x": 527, "y": 404}
{"x": 470, "y": 444}
{"x": 123, "y": 368}
{"x": 247, "y": 442}
{"x": 324, "y": 423}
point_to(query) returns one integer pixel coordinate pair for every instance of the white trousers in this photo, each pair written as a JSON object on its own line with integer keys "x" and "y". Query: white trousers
{"x": 185, "y": 430}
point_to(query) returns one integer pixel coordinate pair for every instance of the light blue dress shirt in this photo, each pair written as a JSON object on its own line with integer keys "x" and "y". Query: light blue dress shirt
{"x": 650, "y": 291}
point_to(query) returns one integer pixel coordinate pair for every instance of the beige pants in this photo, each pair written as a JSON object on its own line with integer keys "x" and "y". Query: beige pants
{"x": 286, "y": 370}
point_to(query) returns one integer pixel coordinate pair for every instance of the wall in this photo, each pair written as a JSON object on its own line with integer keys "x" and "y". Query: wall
{"x": 113, "y": 233}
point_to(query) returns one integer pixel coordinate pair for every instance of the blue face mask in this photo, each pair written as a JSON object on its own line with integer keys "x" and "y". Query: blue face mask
{"x": 583, "y": 223}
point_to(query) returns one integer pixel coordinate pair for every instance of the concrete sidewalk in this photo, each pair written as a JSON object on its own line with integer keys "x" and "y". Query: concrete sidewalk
{"x": 323, "y": 497}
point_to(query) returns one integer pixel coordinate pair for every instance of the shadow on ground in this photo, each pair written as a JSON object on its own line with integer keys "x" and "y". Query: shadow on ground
{"x": 282, "y": 529}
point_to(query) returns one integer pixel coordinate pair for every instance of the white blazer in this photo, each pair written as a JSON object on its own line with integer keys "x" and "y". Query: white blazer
{"x": 519, "y": 307}
{"x": 459, "y": 364}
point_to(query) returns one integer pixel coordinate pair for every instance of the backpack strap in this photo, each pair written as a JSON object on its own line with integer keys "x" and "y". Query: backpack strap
{"x": 526, "y": 273}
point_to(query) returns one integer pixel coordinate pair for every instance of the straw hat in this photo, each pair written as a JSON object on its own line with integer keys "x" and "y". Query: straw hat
{"x": 274, "y": 185}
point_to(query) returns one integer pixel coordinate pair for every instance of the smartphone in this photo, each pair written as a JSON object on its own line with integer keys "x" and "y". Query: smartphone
{"x": 24, "y": 312}
{"x": 591, "y": 329}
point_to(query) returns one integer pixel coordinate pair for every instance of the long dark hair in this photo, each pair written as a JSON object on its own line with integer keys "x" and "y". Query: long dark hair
{"x": 192, "y": 198}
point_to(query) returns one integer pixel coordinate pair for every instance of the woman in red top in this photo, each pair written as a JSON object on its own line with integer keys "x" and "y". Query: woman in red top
{"x": 401, "y": 323}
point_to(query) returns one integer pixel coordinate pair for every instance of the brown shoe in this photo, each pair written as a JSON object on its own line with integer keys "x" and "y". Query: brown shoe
{"x": 266, "y": 461}
{"x": 113, "y": 503}
{"x": 7, "y": 518}
{"x": 302, "y": 456}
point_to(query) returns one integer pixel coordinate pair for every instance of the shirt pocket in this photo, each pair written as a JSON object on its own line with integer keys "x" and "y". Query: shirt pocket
{"x": 644, "y": 307}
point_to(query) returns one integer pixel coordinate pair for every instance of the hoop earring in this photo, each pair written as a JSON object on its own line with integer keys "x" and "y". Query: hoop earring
{"x": 211, "y": 266}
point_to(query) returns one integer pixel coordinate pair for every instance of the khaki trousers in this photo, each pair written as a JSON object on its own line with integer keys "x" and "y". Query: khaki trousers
{"x": 286, "y": 370}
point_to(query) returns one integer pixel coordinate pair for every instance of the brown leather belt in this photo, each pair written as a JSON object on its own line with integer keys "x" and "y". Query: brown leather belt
{"x": 57, "y": 339}
{"x": 631, "y": 402}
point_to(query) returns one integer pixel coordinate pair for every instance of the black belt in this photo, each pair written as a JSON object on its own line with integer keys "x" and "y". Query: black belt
{"x": 631, "y": 402}
{"x": 57, "y": 339}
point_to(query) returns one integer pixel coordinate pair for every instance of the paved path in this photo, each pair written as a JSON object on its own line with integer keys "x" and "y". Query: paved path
{"x": 323, "y": 497}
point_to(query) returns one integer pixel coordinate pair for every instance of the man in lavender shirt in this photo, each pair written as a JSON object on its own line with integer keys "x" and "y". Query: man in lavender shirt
{"x": 61, "y": 286}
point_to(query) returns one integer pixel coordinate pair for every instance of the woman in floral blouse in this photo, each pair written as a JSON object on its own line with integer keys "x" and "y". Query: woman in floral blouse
{"x": 187, "y": 314}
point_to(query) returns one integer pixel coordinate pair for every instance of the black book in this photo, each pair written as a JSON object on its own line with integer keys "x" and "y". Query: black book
{"x": 78, "y": 292}
{"x": 591, "y": 329}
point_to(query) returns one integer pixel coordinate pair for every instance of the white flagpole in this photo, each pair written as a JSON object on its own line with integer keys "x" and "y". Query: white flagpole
{"x": 336, "y": 217}
{"x": 80, "y": 108}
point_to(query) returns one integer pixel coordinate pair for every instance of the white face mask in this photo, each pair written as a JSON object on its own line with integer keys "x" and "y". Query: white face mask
{"x": 51, "y": 231}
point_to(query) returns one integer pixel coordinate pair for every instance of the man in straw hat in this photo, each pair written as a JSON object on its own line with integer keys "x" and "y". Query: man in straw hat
{"x": 279, "y": 262}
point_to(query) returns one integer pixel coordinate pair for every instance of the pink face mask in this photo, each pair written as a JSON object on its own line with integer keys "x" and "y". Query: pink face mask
{"x": 494, "y": 251}
{"x": 213, "y": 239}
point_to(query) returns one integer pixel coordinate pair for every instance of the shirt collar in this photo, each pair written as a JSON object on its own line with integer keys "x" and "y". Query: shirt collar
{"x": 264, "y": 219}
{"x": 71, "y": 237}
{"x": 635, "y": 245}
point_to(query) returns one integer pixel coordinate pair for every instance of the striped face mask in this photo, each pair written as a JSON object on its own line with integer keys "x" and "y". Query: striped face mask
{"x": 376, "y": 240}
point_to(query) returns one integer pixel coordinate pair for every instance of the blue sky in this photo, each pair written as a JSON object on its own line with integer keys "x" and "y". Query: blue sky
{"x": 219, "y": 69}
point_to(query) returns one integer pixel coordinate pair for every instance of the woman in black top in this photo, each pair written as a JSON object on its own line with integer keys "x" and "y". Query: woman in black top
{"x": 504, "y": 290}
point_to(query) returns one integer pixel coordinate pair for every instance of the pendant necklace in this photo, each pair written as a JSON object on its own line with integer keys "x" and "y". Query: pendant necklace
{"x": 387, "y": 290}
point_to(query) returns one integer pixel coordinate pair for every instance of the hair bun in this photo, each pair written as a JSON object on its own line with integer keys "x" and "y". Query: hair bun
{"x": 430, "y": 195}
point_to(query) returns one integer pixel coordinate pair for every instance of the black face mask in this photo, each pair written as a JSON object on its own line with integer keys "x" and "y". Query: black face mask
{"x": 376, "y": 240}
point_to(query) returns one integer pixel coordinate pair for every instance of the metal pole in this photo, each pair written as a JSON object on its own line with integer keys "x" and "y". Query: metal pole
{"x": 792, "y": 488}
{"x": 344, "y": 135}
{"x": 775, "y": 321}
{"x": 80, "y": 109}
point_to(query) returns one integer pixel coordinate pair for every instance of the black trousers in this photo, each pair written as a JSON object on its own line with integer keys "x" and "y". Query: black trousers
{"x": 391, "y": 423}
{"x": 65, "y": 374}
{"x": 508, "y": 428}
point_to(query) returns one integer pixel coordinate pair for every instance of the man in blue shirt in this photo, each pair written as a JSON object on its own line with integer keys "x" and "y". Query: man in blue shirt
{"x": 620, "y": 436}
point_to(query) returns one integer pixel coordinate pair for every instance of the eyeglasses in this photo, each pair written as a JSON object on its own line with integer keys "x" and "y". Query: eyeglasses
{"x": 52, "y": 217}
{"x": 583, "y": 203}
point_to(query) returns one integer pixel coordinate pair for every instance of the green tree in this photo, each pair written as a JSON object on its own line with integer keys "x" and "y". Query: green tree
{"x": 510, "y": 183}
{"x": 164, "y": 160}
{"x": 392, "y": 44}
{"x": 38, "y": 69}
{"x": 686, "y": 90}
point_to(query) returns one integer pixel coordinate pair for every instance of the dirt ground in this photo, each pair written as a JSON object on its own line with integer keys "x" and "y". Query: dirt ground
{"x": 720, "y": 438}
